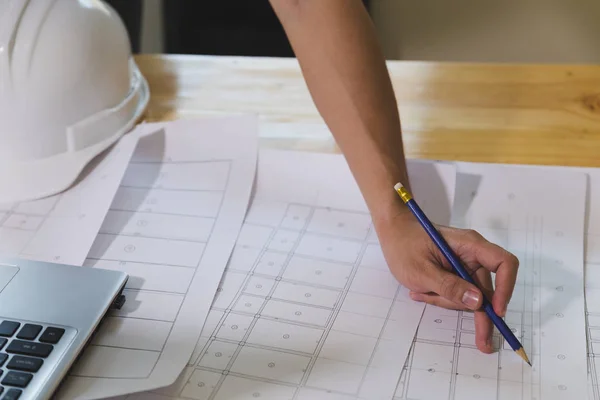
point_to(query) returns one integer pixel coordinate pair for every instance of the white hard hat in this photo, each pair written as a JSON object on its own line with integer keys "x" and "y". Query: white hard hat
{"x": 69, "y": 89}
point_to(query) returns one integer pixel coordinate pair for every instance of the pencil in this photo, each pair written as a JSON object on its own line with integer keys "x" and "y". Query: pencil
{"x": 459, "y": 269}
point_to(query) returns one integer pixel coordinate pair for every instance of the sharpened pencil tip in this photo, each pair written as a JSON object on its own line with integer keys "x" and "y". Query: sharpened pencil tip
{"x": 523, "y": 355}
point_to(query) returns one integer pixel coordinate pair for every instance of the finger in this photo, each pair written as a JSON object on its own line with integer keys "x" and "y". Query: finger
{"x": 505, "y": 265}
{"x": 436, "y": 300}
{"x": 483, "y": 325}
{"x": 483, "y": 279}
{"x": 498, "y": 260}
{"x": 484, "y": 328}
{"x": 506, "y": 277}
{"x": 454, "y": 288}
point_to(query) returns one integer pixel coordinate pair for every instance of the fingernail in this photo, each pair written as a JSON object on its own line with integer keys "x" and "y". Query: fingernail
{"x": 470, "y": 299}
{"x": 415, "y": 296}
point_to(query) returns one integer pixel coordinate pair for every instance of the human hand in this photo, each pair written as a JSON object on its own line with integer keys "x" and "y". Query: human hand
{"x": 417, "y": 263}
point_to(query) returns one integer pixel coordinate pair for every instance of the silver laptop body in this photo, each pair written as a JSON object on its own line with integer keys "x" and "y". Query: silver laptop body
{"x": 48, "y": 313}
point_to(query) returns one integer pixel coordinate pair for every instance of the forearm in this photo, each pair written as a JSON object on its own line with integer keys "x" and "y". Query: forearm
{"x": 346, "y": 74}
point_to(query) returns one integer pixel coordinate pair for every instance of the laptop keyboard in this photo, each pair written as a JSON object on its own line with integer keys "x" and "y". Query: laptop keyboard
{"x": 25, "y": 347}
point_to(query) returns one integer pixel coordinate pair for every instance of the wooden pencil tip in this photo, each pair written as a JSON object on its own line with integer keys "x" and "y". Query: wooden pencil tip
{"x": 523, "y": 355}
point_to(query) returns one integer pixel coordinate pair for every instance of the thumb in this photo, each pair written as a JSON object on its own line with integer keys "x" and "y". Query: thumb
{"x": 457, "y": 290}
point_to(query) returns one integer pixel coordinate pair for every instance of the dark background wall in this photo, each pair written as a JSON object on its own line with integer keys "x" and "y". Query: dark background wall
{"x": 219, "y": 27}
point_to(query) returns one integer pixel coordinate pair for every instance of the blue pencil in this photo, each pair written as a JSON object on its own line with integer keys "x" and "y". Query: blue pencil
{"x": 459, "y": 269}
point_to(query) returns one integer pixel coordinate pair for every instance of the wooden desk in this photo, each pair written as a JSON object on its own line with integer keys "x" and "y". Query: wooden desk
{"x": 524, "y": 114}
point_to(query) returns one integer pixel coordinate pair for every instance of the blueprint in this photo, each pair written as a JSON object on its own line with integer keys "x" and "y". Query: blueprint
{"x": 592, "y": 276}
{"x": 308, "y": 308}
{"x": 172, "y": 226}
{"x": 62, "y": 228}
{"x": 592, "y": 282}
{"x": 537, "y": 214}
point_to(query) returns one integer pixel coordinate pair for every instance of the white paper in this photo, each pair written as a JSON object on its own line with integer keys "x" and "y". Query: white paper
{"x": 592, "y": 283}
{"x": 592, "y": 275}
{"x": 172, "y": 226}
{"x": 539, "y": 216}
{"x": 308, "y": 308}
{"x": 62, "y": 228}
{"x": 592, "y": 280}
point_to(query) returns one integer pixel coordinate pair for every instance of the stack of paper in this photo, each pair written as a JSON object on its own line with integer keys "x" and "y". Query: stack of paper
{"x": 172, "y": 226}
{"x": 258, "y": 274}
{"x": 308, "y": 306}
{"x": 538, "y": 215}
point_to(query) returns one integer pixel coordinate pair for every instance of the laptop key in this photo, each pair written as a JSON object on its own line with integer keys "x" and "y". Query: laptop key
{"x": 29, "y": 331}
{"x": 19, "y": 379}
{"x": 8, "y": 328}
{"x": 3, "y": 358}
{"x": 52, "y": 335}
{"x": 3, "y": 341}
{"x": 26, "y": 364}
{"x": 29, "y": 348}
{"x": 12, "y": 394}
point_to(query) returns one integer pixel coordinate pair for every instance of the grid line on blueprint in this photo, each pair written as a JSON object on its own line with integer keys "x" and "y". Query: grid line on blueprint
{"x": 243, "y": 342}
{"x": 127, "y": 240}
{"x": 593, "y": 333}
{"x": 269, "y": 314}
{"x": 444, "y": 362}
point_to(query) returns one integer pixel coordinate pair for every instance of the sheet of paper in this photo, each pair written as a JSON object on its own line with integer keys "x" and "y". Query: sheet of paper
{"x": 62, "y": 228}
{"x": 308, "y": 308}
{"x": 539, "y": 216}
{"x": 592, "y": 283}
{"x": 592, "y": 280}
{"x": 592, "y": 277}
{"x": 172, "y": 226}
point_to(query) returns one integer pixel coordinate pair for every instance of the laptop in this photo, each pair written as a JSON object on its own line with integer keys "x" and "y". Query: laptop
{"x": 48, "y": 313}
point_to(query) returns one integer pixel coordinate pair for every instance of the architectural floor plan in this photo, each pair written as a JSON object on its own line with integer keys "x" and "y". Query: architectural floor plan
{"x": 308, "y": 308}
{"x": 171, "y": 226}
{"x": 592, "y": 283}
{"x": 592, "y": 292}
{"x": 523, "y": 210}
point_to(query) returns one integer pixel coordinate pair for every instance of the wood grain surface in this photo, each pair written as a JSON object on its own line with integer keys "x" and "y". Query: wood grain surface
{"x": 518, "y": 114}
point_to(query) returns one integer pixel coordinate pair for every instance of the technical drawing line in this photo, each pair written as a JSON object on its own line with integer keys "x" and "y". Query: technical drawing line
{"x": 176, "y": 316}
{"x": 175, "y": 274}
{"x": 244, "y": 342}
{"x": 312, "y": 251}
{"x": 548, "y": 247}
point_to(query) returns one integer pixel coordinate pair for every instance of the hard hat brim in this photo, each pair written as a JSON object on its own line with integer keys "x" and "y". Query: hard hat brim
{"x": 33, "y": 180}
